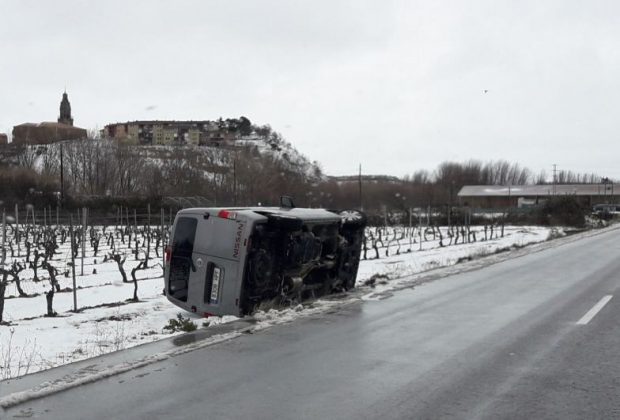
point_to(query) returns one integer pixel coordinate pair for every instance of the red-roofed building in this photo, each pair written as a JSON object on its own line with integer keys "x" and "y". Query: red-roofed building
{"x": 50, "y": 132}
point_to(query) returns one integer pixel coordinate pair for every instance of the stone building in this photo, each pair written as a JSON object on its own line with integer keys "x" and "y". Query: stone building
{"x": 50, "y": 132}
{"x": 211, "y": 133}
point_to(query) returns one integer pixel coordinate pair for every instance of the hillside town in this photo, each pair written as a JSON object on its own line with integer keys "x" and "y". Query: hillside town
{"x": 205, "y": 133}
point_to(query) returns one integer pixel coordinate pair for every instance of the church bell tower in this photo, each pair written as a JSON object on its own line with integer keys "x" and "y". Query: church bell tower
{"x": 65, "y": 110}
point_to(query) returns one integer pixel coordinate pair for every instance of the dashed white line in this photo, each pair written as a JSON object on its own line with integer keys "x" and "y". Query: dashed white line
{"x": 595, "y": 310}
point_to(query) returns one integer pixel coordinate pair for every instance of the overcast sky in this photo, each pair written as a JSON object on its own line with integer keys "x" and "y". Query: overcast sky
{"x": 394, "y": 85}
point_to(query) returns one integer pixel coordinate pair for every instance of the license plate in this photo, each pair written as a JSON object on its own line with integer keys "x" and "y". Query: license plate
{"x": 215, "y": 288}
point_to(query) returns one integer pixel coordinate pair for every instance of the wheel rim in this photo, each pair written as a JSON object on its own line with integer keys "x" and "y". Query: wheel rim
{"x": 350, "y": 216}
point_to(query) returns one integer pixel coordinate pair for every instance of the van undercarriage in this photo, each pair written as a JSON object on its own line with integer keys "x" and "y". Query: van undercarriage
{"x": 292, "y": 265}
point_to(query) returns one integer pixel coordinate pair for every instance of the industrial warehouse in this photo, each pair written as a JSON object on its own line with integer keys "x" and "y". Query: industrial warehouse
{"x": 503, "y": 196}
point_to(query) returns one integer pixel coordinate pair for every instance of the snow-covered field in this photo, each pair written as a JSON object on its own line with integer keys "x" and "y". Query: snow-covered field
{"x": 412, "y": 260}
{"x": 108, "y": 320}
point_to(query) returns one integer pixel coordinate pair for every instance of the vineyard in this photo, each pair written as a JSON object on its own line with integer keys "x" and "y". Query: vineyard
{"x": 70, "y": 289}
{"x": 41, "y": 262}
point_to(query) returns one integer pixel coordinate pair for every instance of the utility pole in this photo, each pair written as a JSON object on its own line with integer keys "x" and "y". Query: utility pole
{"x": 62, "y": 177}
{"x": 428, "y": 215}
{"x": 235, "y": 181}
{"x": 17, "y": 238}
{"x": 410, "y": 234}
{"x": 554, "y": 177}
{"x": 73, "y": 265}
{"x": 163, "y": 240}
{"x": 606, "y": 181}
{"x": 420, "y": 227}
{"x": 83, "y": 239}
{"x": 3, "y": 238}
{"x": 135, "y": 228}
{"x": 148, "y": 235}
{"x": 410, "y": 217}
{"x": 509, "y": 195}
{"x": 451, "y": 204}
{"x": 385, "y": 217}
{"x": 359, "y": 180}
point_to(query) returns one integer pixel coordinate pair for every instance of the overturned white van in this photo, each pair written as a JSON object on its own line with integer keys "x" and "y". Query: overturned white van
{"x": 226, "y": 261}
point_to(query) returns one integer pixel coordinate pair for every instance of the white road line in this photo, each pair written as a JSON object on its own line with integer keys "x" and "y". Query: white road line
{"x": 595, "y": 310}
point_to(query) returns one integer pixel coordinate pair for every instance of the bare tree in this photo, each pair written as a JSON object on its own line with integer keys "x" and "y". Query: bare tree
{"x": 140, "y": 266}
{"x": 120, "y": 261}
{"x": 3, "y": 283}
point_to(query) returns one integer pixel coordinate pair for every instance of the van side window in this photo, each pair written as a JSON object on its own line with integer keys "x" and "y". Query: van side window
{"x": 184, "y": 235}
{"x": 181, "y": 261}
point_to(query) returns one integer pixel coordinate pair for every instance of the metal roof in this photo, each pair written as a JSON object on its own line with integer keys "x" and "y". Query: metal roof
{"x": 46, "y": 124}
{"x": 538, "y": 190}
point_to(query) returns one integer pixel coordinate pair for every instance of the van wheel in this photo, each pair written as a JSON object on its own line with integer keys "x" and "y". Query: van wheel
{"x": 285, "y": 222}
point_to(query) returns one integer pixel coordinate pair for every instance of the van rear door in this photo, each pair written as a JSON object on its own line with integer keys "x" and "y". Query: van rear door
{"x": 181, "y": 260}
{"x": 207, "y": 261}
{"x": 219, "y": 249}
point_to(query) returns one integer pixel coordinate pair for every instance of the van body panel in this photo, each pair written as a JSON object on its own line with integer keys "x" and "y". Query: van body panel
{"x": 201, "y": 293}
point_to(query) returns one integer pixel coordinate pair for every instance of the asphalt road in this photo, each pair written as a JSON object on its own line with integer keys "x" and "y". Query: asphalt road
{"x": 508, "y": 341}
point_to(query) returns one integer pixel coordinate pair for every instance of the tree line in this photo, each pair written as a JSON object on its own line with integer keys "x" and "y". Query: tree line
{"x": 80, "y": 170}
{"x": 244, "y": 174}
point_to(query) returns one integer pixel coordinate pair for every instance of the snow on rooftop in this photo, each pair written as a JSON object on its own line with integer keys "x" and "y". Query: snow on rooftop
{"x": 537, "y": 190}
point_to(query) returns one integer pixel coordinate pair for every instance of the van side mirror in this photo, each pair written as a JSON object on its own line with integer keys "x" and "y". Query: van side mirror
{"x": 286, "y": 202}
